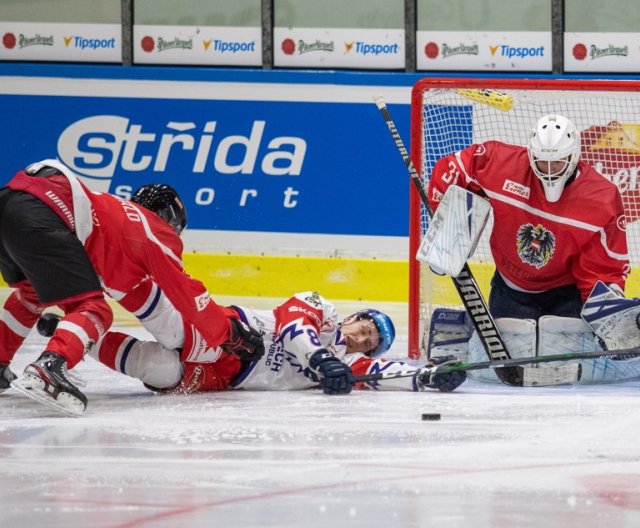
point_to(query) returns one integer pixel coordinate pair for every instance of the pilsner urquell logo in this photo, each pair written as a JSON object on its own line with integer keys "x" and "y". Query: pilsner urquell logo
{"x": 303, "y": 47}
{"x": 461, "y": 49}
{"x": 176, "y": 43}
{"x": 621, "y": 51}
{"x": 38, "y": 40}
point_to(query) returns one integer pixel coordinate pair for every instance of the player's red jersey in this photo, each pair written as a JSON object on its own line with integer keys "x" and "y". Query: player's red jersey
{"x": 126, "y": 245}
{"x": 538, "y": 245}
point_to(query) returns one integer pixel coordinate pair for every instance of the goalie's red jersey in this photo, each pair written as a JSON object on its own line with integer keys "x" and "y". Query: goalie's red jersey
{"x": 127, "y": 245}
{"x": 538, "y": 245}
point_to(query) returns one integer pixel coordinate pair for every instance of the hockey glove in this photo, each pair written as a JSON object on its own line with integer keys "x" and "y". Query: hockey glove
{"x": 335, "y": 377}
{"x": 245, "y": 343}
{"x": 47, "y": 324}
{"x": 443, "y": 382}
{"x": 6, "y": 377}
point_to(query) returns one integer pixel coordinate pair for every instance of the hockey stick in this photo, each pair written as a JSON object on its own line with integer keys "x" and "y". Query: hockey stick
{"x": 465, "y": 283}
{"x": 496, "y": 364}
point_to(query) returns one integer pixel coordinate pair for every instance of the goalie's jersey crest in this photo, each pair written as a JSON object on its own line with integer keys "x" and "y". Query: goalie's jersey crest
{"x": 536, "y": 244}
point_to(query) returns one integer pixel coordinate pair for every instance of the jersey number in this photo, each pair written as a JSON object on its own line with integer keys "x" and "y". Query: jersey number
{"x": 452, "y": 176}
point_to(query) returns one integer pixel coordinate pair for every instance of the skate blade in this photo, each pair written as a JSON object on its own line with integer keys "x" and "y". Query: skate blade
{"x": 33, "y": 387}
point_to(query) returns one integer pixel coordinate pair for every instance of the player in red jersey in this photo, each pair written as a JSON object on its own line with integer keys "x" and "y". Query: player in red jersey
{"x": 559, "y": 224}
{"x": 61, "y": 244}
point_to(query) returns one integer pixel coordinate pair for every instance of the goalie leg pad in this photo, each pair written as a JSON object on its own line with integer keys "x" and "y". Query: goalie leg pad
{"x": 613, "y": 318}
{"x": 519, "y": 336}
{"x": 558, "y": 335}
{"x": 454, "y": 231}
{"x": 610, "y": 370}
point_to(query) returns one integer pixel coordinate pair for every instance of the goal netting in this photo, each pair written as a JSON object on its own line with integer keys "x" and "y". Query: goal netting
{"x": 450, "y": 114}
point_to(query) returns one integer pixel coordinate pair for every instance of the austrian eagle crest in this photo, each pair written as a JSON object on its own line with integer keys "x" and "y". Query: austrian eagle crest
{"x": 535, "y": 244}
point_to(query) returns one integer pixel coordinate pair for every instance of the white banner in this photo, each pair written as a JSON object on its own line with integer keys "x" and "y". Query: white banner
{"x": 232, "y": 46}
{"x": 45, "y": 41}
{"x": 489, "y": 50}
{"x": 339, "y": 48}
{"x": 602, "y": 52}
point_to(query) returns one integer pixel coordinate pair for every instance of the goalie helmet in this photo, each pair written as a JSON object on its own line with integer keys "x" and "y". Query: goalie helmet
{"x": 165, "y": 202}
{"x": 556, "y": 142}
{"x": 384, "y": 324}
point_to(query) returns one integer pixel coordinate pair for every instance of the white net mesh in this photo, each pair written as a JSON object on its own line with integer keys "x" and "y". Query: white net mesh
{"x": 452, "y": 118}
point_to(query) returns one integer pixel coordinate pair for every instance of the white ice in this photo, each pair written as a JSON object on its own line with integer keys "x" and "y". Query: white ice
{"x": 500, "y": 457}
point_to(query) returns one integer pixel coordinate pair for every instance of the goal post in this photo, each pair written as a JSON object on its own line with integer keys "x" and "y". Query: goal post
{"x": 450, "y": 114}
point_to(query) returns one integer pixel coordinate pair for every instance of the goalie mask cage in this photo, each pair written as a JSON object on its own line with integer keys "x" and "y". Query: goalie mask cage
{"x": 450, "y": 114}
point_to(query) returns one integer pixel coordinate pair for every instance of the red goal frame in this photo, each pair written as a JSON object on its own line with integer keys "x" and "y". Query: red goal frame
{"x": 415, "y": 205}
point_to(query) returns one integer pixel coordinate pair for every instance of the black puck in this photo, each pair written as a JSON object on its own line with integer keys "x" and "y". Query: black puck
{"x": 430, "y": 417}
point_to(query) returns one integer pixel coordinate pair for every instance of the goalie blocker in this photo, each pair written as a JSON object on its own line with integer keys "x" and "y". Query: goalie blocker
{"x": 454, "y": 231}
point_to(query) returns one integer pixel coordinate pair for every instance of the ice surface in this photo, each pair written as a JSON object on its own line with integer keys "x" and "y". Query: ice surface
{"x": 500, "y": 457}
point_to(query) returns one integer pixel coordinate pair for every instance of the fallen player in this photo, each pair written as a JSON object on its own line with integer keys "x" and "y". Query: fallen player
{"x": 306, "y": 347}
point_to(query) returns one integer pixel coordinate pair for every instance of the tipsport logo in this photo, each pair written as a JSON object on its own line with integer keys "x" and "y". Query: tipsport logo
{"x": 82, "y": 43}
{"x": 520, "y": 52}
{"x": 367, "y": 48}
{"x": 99, "y": 146}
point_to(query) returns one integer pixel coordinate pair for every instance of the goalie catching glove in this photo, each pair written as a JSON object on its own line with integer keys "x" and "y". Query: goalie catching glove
{"x": 245, "y": 343}
{"x": 335, "y": 377}
{"x": 446, "y": 382}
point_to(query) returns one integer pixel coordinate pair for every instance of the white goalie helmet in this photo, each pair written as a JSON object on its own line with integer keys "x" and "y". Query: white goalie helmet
{"x": 555, "y": 143}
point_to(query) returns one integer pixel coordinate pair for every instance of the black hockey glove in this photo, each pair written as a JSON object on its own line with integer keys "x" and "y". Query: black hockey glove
{"x": 335, "y": 377}
{"x": 47, "y": 324}
{"x": 245, "y": 343}
{"x": 443, "y": 382}
{"x": 6, "y": 377}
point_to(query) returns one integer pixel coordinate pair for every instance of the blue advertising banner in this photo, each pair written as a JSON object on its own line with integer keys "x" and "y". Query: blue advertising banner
{"x": 247, "y": 165}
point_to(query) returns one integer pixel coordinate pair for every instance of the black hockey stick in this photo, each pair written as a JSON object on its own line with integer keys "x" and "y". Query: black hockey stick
{"x": 465, "y": 283}
{"x": 628, "y": 353}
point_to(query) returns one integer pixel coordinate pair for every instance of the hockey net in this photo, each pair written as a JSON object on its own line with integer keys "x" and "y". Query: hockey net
{"x": 450, "y": 114}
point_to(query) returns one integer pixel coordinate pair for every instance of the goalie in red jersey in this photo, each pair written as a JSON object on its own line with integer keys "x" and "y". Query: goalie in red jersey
{"x": 64, "y": 245}
{"x": 559, "y": 242}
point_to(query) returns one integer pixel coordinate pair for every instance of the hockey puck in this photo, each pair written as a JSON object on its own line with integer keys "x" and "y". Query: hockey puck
{"x": 430, "y": 417}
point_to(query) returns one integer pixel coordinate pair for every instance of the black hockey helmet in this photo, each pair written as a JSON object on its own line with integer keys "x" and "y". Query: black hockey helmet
{"x": 165, "y": 202}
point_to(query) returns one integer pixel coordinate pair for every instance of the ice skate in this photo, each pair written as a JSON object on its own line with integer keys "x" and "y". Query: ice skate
{"x": 47, "y": 381}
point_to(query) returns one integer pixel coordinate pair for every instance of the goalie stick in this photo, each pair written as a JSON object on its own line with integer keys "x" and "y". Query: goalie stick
{"x": 497, "y": 364}
{"x": 465, "y": 283}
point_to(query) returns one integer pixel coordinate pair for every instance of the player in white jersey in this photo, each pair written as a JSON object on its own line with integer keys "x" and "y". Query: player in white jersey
{"x": 306, "y": 346}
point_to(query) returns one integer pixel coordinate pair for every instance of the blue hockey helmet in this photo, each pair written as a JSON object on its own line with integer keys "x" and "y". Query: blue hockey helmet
{"x": 386, "y": 330}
